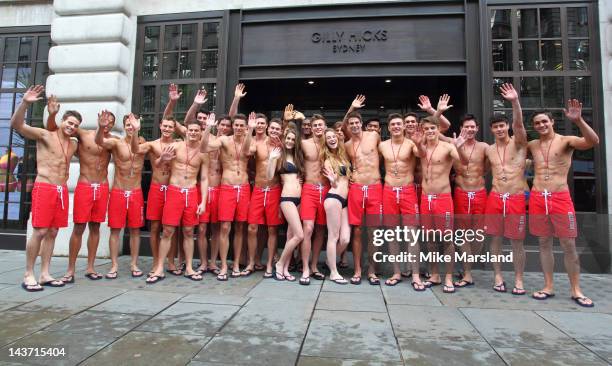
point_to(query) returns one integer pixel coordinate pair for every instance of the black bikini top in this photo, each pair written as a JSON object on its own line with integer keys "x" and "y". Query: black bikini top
{"x": 290, "y": 168}
{"x": 343, "y": 170}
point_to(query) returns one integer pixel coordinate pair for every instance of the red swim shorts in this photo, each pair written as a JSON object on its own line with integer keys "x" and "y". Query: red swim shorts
{"x": 552, "y": 214}
{"x": 437, "y": 211}
{"x": 365, "y": 199}
{"x": 234, "y": 202}
{"x": 181, "y": 206}
{"x": 90, "y": 202}
{"x": 211, "y": 213}
{"x": 126, "y": 205}
{"x": 398, "y": 201}
{"x": 264, "y": 208}
{"x": 469, "y": 208}
{"x": 311, "y": 204}
{"x": 158, "y": 193}
{"x": 49, "y": 205}
{"x": 505, "y": 215}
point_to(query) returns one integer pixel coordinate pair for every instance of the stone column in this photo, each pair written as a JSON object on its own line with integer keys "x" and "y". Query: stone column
{"x": 92, "y": 65}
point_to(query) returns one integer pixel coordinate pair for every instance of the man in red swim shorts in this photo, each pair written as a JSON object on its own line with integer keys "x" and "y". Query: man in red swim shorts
{"x": 551, "y": 211}
{"x": 234, "y": 191}
{"x": 49, "y": 195}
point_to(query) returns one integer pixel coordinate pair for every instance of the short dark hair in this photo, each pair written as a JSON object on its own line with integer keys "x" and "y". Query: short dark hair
{"x": 239, "y": 116}
{"x": 430, "y": 120}
{"x": 545, "y": 112}
{"x": 224, "y": 116}
{"x": 498, "y": 118}
{"x": 169, "y": 118}
{"x": 77, "y": 115}
{"x": 316, "y": 117}
{"x": 277, "y": 121}
{"x": 354, "y": 114}
{"x": 193, "y": 122}
{"x": 126, "y": 116}
{"x": 468, "y": 117}
{"x": 411, "y": 114}
{"x": 202, "y": 110}
{"x": 261, "y": 115}
{"x": 338, "y": 124}
{"x": 373, "y": 120}
{"x": 393, "y": 116}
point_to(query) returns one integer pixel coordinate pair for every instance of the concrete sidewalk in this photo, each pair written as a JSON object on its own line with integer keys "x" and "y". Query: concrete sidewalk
{"x": 255, "y": 321}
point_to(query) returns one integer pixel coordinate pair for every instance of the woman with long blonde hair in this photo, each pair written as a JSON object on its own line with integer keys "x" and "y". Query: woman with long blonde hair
{"x": 336, "y": 167}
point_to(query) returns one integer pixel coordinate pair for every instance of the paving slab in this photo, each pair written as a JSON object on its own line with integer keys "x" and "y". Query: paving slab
{"x": 517, "y": 328}
{"x": 404, "y": 294}
{"x": 238, "y": 349}
{"x": 603, "y": 348}
{"x": 144, "y": 348}
{"x": 73, "y": 300}
{"x": 271, "y": 317}
{"x": 5, "y": 305}
{"x": 449, "y": 353}
{"x": 211, "y": 298}
{"x": 351, "y": 301}
{"x": 530, "y": 356}
{"x": 16, "y": 324}
{"x": 76, "y": 347}
{"x": 15, "y": 293}
{"x": 351, "y": 335}
{"x": 139, "y": 302}
{"x": 270, "y": 288}
{"x": 321, "y": 361}
{"x": 431, "y": 322}
{"x": 364, "y": 288}
{"x": 190, "y": 319}
{"x": 99, "y": 323}
{"x": 581, "y": 326}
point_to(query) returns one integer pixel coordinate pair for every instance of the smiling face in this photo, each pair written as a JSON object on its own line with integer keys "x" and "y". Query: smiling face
{"x": 306, "y": 127}
{"x": 70, "y": 125}
{"x": 471, "y": 129}
{"x": 543, "y": 124}
{"x": 239, "y": 127}
{"x": 354, "y": 124}
{"x": 166, "y": 128}
{"x": 500, "y": 129}
{"x": 224, "y": 127}
{"x": 289, "y": 141}
{"x": 275, "y": 129}
{"x": 430, "y": 131}
{"x": 318, "y": 127}
{"x": 194, "y": 132}
{"x": 411, "y": 124}
{"x": 396, "y": 127}
{"x": 201, "y": 117}
{"x": 373, "y": 126}
{"x": 260, "y": 128}
{"x": 331, "y": 139}
{"x": 340, "y": 133}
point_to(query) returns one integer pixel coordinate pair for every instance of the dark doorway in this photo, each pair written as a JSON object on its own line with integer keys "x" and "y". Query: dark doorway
{"x": 333, "y": 96}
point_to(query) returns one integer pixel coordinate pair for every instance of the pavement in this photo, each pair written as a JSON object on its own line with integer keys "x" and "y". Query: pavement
{"x": 251, "y": 320}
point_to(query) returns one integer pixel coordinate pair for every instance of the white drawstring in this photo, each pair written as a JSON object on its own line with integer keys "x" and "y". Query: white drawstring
{"x": 397, "y": 190}
{"x": 186, "y": 192}
{"x": 504, "y": 198}
{"x": 127, "y": 195}
{"x": 95, "y": 187}
{"x": 163, "y": 188}
{"x": 265, "y": 191}
{"x": 210, "y": 189}
{"x": 238, "y": 188}
{"x": 546, "y": 194}
{"x": 320, "y": 189}
{"x": 60, "y": 190}
{"x": 364, "y": 189}
{"x": 430, "y": 197}
{"x": 471, "y": 196}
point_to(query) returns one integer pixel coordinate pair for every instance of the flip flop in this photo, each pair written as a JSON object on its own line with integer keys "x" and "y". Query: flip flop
{"x": 246, "y": 272}
{"x": 518, "y": 291}
{"x": 154, "y": 279}
{"x": 137, "y": 273}
{"x": 339, "y": 281}
{"x": 94, "y": 276}
{"x": 580, "y": 301}
{"x": 69, "y": 279}
{"x": 393, "y": 281}
{"x": 546, "y": 295}
{"x": 279, "y": 276}
{"x": 268, "y": 275}
{"x": 216, "y": 271}
{"x": 175, "y": 272}
{"x": 448, "y": 289}
{"x": 290, "y": 278}
{"x": 463, "y": 283}
{"x": 317, "y": 275}
{"x": 429, "y": 284}
{"x": 304, "y": 281}
{"x": 373, "y": 280}
{"x": 193, "y": 276}
{"x": 416, "y": 288}
{"x": 222, "y": 277}
{"x": 111, "y": 275}
{"x": 500, "y": 287}
{"x": 236, "y": 274}
{"x": 355, "y": 280}
{"x": 31, "y": 288}
{"x": 53, "y": 283}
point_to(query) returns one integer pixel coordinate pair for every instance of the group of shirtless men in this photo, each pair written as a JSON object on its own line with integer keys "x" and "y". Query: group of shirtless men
{"x": 202, "y": 180}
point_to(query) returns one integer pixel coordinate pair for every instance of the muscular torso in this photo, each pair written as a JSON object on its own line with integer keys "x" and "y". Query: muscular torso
{"x": 161, "y": 174}
{"x": 436, "y": 168}
{"x": 471, "y": 177}
{"x": 512, "y": 167}
{"x": 233, "y": 162}
{"x": 261, "y": 165}
{"x": 128, "y": 166}
{"x": 93, "y": 159}
{"x": 185, "y": 167}
{"x": 363, "y": 153}
{"x": 399, "y": 161}
{"x": 312, "y": 163}
{"x": 559, "y": 163}
{"x": 53, "y": 158}
{"x": 214, "y": 169}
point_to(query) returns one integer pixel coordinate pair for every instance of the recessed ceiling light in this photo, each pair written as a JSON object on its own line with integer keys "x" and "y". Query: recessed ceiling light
{"x": 387, "y": 80}
{"x": 310, "y": 82}
{"x": 382, "y": 107}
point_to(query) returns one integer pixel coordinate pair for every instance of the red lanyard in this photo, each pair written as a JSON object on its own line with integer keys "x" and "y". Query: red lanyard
{"x": 429, "y": 161}
{"x": 395, "y": 169}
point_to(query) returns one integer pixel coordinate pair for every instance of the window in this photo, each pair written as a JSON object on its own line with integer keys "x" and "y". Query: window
{"x": 544, "y": 51}
{"x": 23, "y": 62}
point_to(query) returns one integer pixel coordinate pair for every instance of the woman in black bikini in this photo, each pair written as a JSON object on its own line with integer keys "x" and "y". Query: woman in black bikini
{"x": 336, "y": 168}
{"x": 288, "y": 163}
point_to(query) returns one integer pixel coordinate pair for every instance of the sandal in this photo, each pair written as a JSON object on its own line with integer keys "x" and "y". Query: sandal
{"x": 373, "y": 280}
{"x": 111, "y": 275}
{"x": 463, "y": 283}
{"x": 268, "y": 274}
{"x": 137, "y": 273}
{"x": 429, "y": 284}
{"x": 581, "y": 300}
{"x": 393, "y": 281}
{"x": 154, "y": 279}
{"x": 69, "y": 278}
{"x": 355, "y": 280}
{"x": 94, "y": 276}
{"x": 247, "y": 272}
{"x": 194, "y": 276}
{"x": 175, "y": 272}
{"x": 500, "y": 287}
{"x": 31, "y": 288}
{"x": 448, "y": 289}
{"x": 279, "y": 276}
{"x": 415, "y": 286}
{"x": 545, "y": 295}
{"x": 53, "y": 283}
{"x": 290, "y": 278}
{"x": 222, "y": 277}
{"x": 317, "y": 275}
{"x": 304, "y": 281}
{"x": 236, "y": 274}
{"x": 339, "y": 281}
{"x": 518, "y": 291}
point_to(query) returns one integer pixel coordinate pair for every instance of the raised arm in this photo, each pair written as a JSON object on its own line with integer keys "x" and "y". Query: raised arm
{"x": 167, "y": 155}
{"x": 246, "y": 146}
{"x": 31, "y": 96}
{"x": 53, "y": 108}
{"x": 419, "y": 148}
{"x": 198, "y": 101}
{"x": 425, "y": 105}
{"x": 210, "y": 123}
{"x": 239, "y": 93}
{"x": 358, "y": 103}
{"x": 274, "y": 156}
{"x": 518, "y": 128}
{"x": 104, "y": 119}
{"x": 460, "y": 154}
{"x": 173, "y": 97}
{"x": 589, "y": 137}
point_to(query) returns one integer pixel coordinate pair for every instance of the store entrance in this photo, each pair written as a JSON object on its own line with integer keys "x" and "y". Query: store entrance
{"x": 333, "y": 96}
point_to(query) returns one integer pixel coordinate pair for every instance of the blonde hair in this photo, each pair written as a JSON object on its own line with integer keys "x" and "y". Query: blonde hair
{"x": 336, "y": 158}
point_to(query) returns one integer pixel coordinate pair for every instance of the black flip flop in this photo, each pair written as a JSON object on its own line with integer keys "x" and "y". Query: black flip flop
{"x": 135, "y": 275}
{"x": 397, "y": 280}
{"x": 463, "y": 283}
{"x": 113, "y": 275}
{"x": 29, "y": 288}
{"x": 448, "y": 289}
{"x": 175, "y": 272}
{"x": 374, "y": 281}
{"x": 340, "y": 281}
{"x": 317, "y": 276}
{"x": 193, "y": 276}
{"x": 268, "y": 275}
{"x": 546, "y": 295}
{"x": 304, "y": 281}
{"x": 222, "y": 277}
{"x": 355, "y": 280}
{"x": 236, "y": 274}
{"x": 498, "y": 288}
{"x": 51, "y": 284}
{"x": 94, "y": 276}
{"x": 578, "y": 299}
{"x": 69, "y": 279}
{"x": 156, "y": 280}
{"x": 246, "y": 272}
{"x": 518, "y": 291}
{"x": 415, "y": 288}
